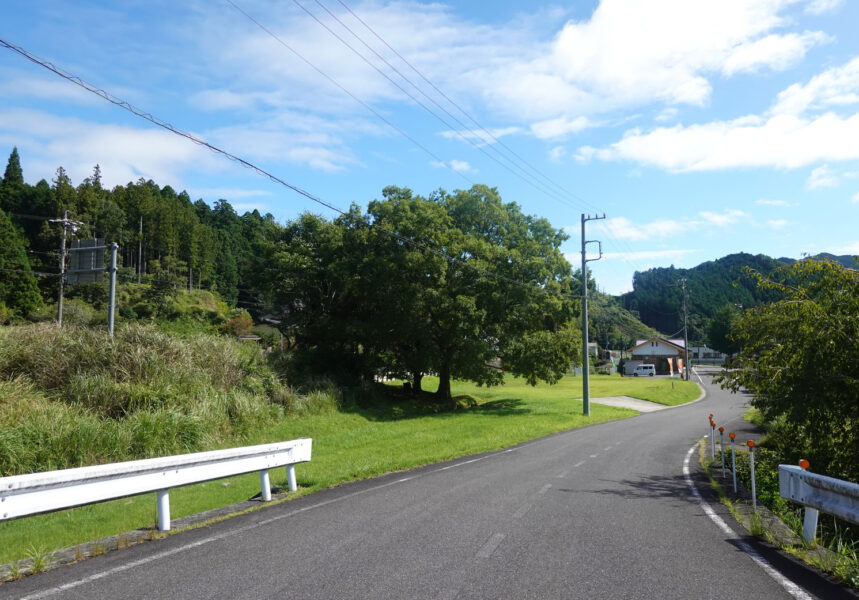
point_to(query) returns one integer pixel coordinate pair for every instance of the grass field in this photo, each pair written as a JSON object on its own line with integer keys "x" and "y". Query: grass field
{"x": 361, "y": 442}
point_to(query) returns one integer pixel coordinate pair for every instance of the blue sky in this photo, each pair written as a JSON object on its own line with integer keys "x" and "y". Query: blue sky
{"x": 699, "y": 128}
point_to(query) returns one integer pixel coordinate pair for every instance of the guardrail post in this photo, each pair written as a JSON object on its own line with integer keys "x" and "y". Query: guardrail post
{"x": 751, "y": 445}
{"x": 290, "y": 476}
{"x": 265, "y": 486}
{"x": 163, "y": 504}
{"x": 809, "y": 523}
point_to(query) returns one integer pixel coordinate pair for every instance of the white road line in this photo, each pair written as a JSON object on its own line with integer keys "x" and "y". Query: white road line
{"x": 563, "y": 474}
{"x": 594, "y": 455}
{"x": 522, "y": 510}
{"x": 490, "y": 546}
{"x": 580, "y": 463}
{"x": 789, "y": 586}
{"x": 545, "y": 488}
{"x": 227, "y": 534}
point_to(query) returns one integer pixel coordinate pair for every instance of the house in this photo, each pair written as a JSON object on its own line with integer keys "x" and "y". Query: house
{"x": 703, "y": 354}
{"x": 656, "y": 352}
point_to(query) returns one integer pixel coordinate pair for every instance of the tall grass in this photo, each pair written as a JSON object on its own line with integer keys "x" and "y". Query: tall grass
{"x": 75, "y": 396}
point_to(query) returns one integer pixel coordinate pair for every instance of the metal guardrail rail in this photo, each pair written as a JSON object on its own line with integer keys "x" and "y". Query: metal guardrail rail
{"x": 24, "y": 495}
{"x": 818, "y": 493}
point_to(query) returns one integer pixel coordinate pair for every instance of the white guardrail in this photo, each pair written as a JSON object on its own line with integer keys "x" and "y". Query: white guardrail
{"x": 818, "y": 493}
{"x": 23, "y": 495}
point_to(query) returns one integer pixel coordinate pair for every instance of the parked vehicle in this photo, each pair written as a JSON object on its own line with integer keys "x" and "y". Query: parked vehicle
{"x": 644, "y": 371}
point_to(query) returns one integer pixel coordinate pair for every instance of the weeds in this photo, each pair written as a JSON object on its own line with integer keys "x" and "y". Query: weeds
{"x": 40, "y": 557}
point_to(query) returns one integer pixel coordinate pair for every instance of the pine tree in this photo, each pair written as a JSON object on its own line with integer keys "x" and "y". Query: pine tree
{"x": 13, "y": 176}
{"x": 18, "y": 289}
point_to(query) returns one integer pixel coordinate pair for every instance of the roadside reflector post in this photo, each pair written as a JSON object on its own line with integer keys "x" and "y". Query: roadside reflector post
{"x": 751, "y": 446}
{"x": 809, "y": 523}
{"x": 733, "y": 461}
{"x": 163, "y": 509}
{"x": 722, "y": 444}
{"x": 712, "y": 440}
{"x": 265, "y": 486}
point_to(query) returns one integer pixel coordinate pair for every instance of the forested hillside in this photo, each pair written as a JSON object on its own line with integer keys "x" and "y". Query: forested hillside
{"x": 657, "y": 297}
{"x": 446, "y": 284}
{"x": 159, "y": 232}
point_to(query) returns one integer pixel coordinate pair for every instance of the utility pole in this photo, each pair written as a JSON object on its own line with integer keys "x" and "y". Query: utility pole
{"x": 111, "y": 304}
{"x": 685, "y": 331}
{"x": 140, "y": 251}
{"x": 69, "y": 226}
{"x": 586, "y": 402}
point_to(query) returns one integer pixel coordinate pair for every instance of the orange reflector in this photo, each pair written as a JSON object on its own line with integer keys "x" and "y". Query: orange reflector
{"x": 721, "y": 430}
{"x": 731, "y": 435}
{"x": 804, "y": 464}
{"x": 751, "y": 443}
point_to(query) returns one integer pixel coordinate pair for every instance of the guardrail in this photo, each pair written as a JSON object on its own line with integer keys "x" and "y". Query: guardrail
{"x": 24, "y": 495}
{"x": 818, "y": 493}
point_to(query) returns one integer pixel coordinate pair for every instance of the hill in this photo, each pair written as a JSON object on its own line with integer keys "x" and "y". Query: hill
{"x": 656, "y": 297}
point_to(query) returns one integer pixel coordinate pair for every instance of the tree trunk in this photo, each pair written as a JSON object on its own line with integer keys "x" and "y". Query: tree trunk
{"x": 417, "y": 376}
{"x": 443, "y": 393}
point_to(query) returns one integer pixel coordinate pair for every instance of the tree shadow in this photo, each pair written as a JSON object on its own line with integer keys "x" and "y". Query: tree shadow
{"x": 651, "y": 487}
{"x": 386, "y": 403}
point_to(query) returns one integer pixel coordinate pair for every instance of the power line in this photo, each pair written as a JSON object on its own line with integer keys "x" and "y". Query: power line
{"x": 259, "y": 170}
{"x": 347, "y": 92}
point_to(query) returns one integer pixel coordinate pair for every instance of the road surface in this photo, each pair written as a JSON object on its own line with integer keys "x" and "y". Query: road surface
{"x": 598, "y": 512}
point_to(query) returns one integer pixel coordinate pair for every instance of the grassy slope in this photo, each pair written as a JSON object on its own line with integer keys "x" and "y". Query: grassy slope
{"x": 355, "y": 445}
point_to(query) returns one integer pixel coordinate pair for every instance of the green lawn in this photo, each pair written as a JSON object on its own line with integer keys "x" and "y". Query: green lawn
{"x": 358, "y": 444}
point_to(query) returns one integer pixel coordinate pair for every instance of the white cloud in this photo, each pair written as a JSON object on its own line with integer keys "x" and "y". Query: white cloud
{"x": 480, "y": 137}
{"x": 768, "y": 202}
{"x": 631, "y": 53}
{"x": 778, "y": 223}
{"x": 668, "y": 114}
{"x": 644, "y": 255}
{"x": 822, "y": 177}
{"x": 621, "y": 228}
{"x": 851, "y": 248}
{"x": 459, "y": 166}
{"x": 856, "y": 197}
{"x": 624, "y": 229}
{"x": 559, "y": 127}
{"x": 782, "y": 141}
{"x": 777, "y": 52}
{"x": 835, "y": 88}
{"x": 818, "y": 7}
{"x": 123, "y": 153}
{"x": 557, "y": 153}
{"x": 729, "y": 217}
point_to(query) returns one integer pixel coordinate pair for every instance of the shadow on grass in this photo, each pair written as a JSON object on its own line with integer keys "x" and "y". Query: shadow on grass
{"x": 387, "y": 403}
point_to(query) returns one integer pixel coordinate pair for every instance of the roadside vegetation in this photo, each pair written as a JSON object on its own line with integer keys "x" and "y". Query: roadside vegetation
{"x": 73, "y": 397}
{"x": 798, "y": 357}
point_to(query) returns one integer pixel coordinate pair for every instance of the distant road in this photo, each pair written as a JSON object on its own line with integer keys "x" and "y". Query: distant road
{"x": 600, "y": 512}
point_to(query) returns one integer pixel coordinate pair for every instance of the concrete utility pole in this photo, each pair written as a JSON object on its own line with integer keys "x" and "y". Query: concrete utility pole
{"x": 586, "y": 390}
{"x": 68, "y": 226}
{"x": 111, "y": 304}
{"x": 685, "y": 331}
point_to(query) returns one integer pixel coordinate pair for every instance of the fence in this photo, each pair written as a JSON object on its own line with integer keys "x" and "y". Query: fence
{"x": 24, "y": 495}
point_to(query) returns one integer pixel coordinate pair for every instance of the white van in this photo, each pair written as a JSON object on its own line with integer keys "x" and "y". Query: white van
{"x": 644, "y": 370}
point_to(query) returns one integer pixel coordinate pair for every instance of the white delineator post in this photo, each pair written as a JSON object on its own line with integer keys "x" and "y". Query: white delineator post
{"x": 733, "y": 460}
{"x": 751, "y": 445}
{"x": 290, "y": 477}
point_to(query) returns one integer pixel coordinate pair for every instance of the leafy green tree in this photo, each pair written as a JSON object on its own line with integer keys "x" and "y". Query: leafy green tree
{"x": 800, "y": 358}
{"x": 18, "y": 289}
{"x": 719, "y": 329}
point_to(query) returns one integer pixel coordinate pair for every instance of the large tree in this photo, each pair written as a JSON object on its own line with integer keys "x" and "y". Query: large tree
{"x": 719, "y": 329}
{"x": 800, "y": 358}
{"x": 447, "y": 285}
{"x": 18, "y": 289}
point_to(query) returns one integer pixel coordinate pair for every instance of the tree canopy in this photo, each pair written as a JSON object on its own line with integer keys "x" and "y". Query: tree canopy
{"x": 800, "y": 358}
{"x": 448, "y": 284}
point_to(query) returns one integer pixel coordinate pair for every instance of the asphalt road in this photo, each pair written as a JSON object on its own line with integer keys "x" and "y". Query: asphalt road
{"x": 597, "y": 512}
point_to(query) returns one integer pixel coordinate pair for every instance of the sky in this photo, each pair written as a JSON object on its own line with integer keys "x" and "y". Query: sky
{"x": 698, "y": 128}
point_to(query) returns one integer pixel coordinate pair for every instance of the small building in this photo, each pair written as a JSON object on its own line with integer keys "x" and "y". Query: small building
{"x": 656, "y": 352}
